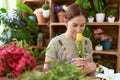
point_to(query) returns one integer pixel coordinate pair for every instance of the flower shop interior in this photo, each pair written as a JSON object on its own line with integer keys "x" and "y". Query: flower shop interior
{"x": 27, "y": 26}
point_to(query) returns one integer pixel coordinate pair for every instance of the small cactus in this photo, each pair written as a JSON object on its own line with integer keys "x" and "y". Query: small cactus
{"x": 45, "y": 6}
{"x": 40, "y": 37}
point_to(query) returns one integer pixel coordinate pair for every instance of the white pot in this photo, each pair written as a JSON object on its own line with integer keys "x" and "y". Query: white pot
{"x": 100, "y": 17}
{"x": 99, "y": 47}
{"x": 46, "y": 13}
{"x": 90, "y": 19}
{"x": 111, "y": 19}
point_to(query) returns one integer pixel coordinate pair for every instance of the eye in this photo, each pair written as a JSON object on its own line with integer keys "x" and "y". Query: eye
{"x": 83, "y": 25}
{"x": 74, "y": 25}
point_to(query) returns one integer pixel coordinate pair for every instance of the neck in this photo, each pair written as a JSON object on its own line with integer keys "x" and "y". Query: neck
{"x": 69, "y": 36}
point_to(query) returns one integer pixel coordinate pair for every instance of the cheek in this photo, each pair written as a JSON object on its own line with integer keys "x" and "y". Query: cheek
{"x": 72, "y": 30}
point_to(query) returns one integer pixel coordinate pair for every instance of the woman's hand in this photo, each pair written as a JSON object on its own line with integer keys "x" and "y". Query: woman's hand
{"x": 79, "y": 62}
{"x": 89, "y": 67}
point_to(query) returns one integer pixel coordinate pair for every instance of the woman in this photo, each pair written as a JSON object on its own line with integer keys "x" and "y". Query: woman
{"x": 64, "y": 45}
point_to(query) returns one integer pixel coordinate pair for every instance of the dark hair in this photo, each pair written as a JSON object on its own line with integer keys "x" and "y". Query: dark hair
{"x": 75, "y": 10}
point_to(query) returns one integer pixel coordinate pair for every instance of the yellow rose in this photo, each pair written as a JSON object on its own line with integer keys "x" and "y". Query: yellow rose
{"x": 79, "y": 37}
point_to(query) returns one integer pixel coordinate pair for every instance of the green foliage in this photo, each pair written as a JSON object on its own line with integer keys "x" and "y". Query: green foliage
{"x": 30, "y": 75}
{"x": 111, "y": 13}
{"x": 17, "y": 27}
{"x": 86, "y": 32}
{"x": 25, "y": 8}
{"x": 85, "y": 3}
{"x": 37, "y": 54}
{"x": 3, "y": 10}
{"x": 57, "y": 71}
{"x": 45, "y": 6}
{"x": 91, "y": 13}
{"x": 99, "y": 5}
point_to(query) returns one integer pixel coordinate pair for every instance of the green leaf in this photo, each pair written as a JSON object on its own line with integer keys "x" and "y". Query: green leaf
{"x": 24, "y": 8}
{"x": 3, "y": 10}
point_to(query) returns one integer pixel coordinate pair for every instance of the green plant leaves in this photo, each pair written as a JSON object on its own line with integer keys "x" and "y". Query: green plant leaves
{"x": 24, "y": 8}
{"x": 99, "y": 5}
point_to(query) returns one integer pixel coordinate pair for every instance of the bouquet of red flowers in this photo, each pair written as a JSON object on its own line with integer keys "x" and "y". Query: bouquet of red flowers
{"x": 15, "y": 60}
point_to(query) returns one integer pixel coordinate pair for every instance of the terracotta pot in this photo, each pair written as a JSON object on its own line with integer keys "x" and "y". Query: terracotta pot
{"x": 61, "y": 16}
{"x": 3, "y": 78}
{"x": 41, "y": 19}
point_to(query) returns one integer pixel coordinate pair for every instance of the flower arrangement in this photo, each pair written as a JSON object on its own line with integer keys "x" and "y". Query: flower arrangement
{"x": 15, "y": 60}
{"x": 100, "y": 36}
{"x": 58, "y": 70}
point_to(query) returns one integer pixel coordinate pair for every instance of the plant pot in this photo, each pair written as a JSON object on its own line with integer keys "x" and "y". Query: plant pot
{"x": 3, "y": 78}
{"x": 106, "y": 45}
{"x": 111, "y": 19}
{"x": 32, "y": 17}
{"x": 100, "y": 17}
{"x": 46, "y": 13}
{"x": 61, "y": 16}
{"x": 98, "y": 47}
{"x": 90, "y": 19}
{"x": 41, "y": 19}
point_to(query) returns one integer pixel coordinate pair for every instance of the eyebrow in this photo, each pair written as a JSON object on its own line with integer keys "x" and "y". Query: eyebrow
{"x": 78, "y": 24}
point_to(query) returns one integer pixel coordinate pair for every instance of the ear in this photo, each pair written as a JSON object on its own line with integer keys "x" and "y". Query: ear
{"x": 65, "y": 21}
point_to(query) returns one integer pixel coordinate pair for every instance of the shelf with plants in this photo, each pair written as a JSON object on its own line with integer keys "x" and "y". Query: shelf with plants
{"x": 54, "y": 27}
{"x": 37, "y": 6}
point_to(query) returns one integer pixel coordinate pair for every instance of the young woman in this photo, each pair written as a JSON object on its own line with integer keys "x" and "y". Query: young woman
{"x": 64, "y": 45}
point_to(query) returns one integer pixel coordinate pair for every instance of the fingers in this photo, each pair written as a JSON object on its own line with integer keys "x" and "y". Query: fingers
{"x": 89, "y": 68}
{"x": 79, "y": 62}
{"x": 79, "y": 59}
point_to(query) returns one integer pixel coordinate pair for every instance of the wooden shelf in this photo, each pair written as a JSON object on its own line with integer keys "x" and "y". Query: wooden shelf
{"x": 93, "y": 23}
{"x": 109, "y": 52}
{"x": 37, "y": 47}
{"x": 57, "y": 24}
{"x": 31, "y": 1}
{"x": 43, "y": 24}
{"x": 103, "y": 23}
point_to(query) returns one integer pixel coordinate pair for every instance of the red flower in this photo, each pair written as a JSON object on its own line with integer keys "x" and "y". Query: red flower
{"x": 15, "y": 60}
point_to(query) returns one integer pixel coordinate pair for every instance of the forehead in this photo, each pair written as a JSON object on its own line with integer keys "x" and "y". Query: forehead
{"x": 78, "y": 20}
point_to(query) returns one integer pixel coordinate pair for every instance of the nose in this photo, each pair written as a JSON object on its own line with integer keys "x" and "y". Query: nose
{"x": 79, "y": 29}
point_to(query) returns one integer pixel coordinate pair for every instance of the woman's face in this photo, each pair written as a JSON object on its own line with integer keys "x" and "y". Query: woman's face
{"x": 76, "y": 25}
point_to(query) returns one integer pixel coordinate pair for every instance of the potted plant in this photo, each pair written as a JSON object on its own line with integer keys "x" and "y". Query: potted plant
{"x": 85, "y": 3}
{"x": 40, "y": 39}
{"x": 111, "y": 15}
{"x": 58, "y": 70}
{"x": 59, "y": 10}
{"x": 102, "y": 39}
{"x": 99, "y": 6}
{"x": 46, "y": 10}
{"x": 28, "y": 10}
{"x": 17, "y": 27}
{"x": 91, "y": 16}
{"x": 39, "y": 14}
{"x": 2, "y": 26}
